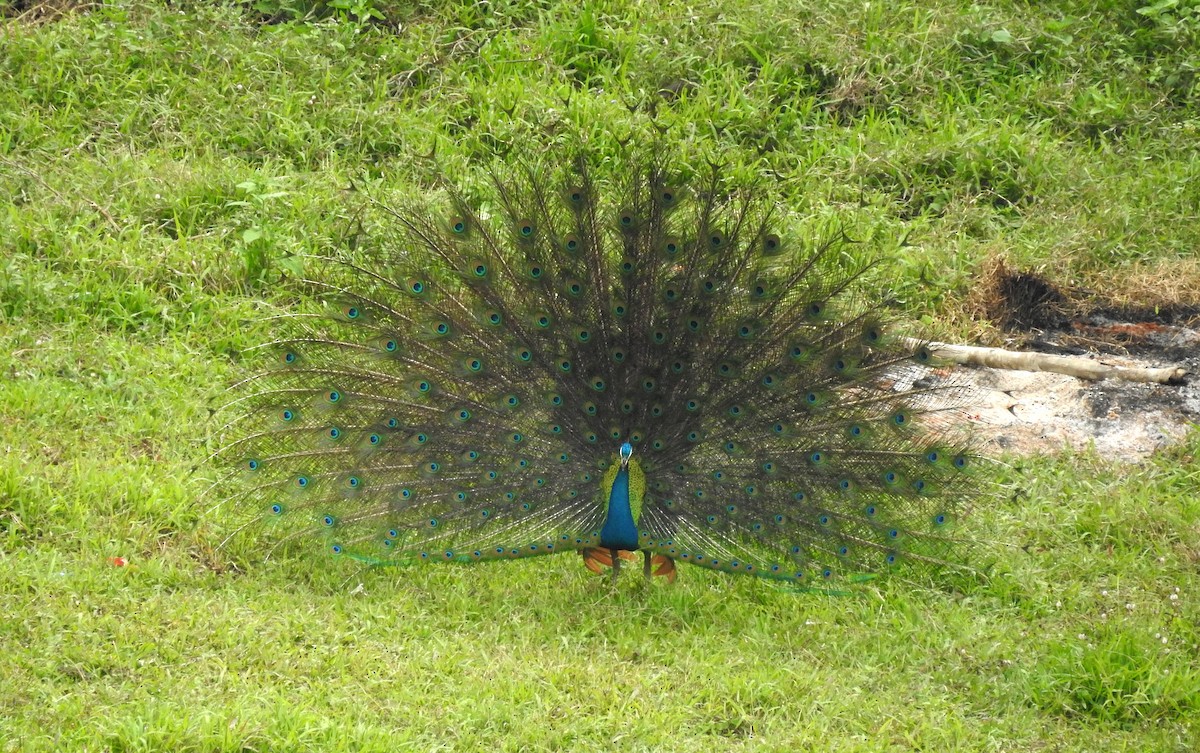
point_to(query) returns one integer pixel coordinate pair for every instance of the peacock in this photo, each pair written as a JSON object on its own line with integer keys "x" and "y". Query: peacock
{"x": 607, "y": 356}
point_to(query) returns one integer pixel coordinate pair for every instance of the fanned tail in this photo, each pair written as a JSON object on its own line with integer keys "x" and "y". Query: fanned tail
{"x": 466, "y": 394}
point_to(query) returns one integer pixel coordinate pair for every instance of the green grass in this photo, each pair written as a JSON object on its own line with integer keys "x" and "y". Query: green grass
{"x": 162, "y": 166}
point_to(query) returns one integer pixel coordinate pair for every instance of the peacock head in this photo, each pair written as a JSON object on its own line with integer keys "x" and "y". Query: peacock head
{"x": 626, "y": 453}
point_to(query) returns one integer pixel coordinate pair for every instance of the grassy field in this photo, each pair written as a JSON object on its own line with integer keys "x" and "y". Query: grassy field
{"x": 161, "y": 165}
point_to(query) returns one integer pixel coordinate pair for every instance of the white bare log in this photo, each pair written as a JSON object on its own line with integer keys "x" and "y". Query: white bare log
{"x": 1083, "y": 368}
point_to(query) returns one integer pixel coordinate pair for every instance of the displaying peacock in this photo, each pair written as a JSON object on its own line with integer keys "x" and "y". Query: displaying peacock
{"x": 602, "y": 359}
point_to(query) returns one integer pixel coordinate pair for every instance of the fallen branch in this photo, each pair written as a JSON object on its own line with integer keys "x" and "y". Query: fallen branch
{"x": 1083, "y": 368}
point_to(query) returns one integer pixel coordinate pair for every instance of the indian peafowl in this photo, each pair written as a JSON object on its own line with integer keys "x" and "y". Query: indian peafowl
{"x": 603, "y": 361}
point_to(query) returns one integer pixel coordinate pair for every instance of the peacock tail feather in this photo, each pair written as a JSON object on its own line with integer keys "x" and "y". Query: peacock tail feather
{"x": 573, "y": 363}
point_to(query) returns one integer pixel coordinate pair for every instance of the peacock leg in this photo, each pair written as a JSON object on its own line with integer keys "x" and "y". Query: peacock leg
{"x": 646, "y": 564}
{"x": 616, "y": 564}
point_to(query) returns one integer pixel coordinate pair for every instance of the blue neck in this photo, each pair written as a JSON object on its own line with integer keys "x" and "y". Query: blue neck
{"x": 619, "y": 531}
